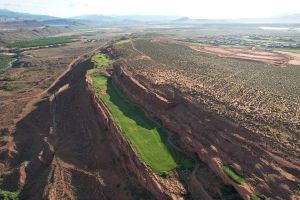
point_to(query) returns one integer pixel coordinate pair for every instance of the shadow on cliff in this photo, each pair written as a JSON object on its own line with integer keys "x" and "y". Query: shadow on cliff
{"x": 130, "y": 110}
{"x": 29, "y": 138}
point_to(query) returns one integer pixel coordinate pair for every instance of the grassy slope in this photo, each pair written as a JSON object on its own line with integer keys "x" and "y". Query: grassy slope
{"x": 147, "y": 137}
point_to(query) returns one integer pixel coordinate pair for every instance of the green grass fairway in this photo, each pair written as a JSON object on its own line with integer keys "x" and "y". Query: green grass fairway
{"x": 101, "y": 60}
{"x": 233, "y": 175}
{"x": 147, "y": 137}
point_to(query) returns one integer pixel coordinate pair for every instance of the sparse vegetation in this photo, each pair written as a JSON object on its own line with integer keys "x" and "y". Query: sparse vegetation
{"x": 233, "y": 175}
{"x": 43, "y": 42}
{"x": 8, "y": 88}
{"x": 7, "y": 79}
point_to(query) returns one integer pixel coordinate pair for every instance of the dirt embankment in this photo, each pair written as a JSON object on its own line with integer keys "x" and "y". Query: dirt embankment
{"x": 216, "y": 141}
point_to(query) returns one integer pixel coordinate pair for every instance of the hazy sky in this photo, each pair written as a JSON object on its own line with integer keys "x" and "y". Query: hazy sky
{"x": 216, "y": 9}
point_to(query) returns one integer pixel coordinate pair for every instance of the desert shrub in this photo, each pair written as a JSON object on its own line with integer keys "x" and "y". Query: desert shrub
{"x": 8, "y": 88}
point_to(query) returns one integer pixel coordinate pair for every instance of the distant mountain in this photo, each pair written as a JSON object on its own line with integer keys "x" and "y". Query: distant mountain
{"x": 20, "y": 24}
{"x": 98, "y": 18}
{"x": 61, "y": 22}
{"x": 7, "y": 15}
{"x": 120, "y": 18}
{"x": 147, "y": 18}
{"x": 25, "y": 16}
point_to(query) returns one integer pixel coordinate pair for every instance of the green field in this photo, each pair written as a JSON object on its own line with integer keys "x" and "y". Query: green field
{"x": 233, "y": 175}
{"x": 42, "y": 42}
{"x": 99, "y": 60}
{"x": 148, "y": 138}
{"x": 288, "y": 50}
{"x": 123, "y": 42}
{"x": 4, "y": 61}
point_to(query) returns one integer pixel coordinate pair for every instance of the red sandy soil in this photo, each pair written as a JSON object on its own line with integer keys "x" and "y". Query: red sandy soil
{"x": 272, "y": 58}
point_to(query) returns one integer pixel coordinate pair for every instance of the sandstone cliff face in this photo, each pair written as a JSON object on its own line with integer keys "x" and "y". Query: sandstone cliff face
{"x": 216, "y": 141}
{"x": 161, "y": 188}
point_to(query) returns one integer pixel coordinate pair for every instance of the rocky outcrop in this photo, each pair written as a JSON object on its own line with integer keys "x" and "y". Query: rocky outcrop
{"x": 215, "y": 141}
{"x": 161, "y": 188}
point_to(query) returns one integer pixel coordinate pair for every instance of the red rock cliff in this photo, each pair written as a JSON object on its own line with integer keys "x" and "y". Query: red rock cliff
{"x": 216, "y": 141}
